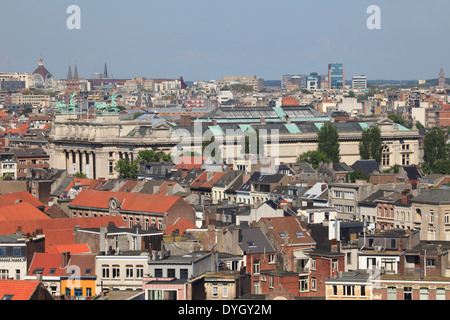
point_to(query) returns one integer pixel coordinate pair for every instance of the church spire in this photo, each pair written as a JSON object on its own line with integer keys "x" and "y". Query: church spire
{"x": 105, "y": 72}
{"x": 75, "y": 73}
{"x": 69, "y": 73}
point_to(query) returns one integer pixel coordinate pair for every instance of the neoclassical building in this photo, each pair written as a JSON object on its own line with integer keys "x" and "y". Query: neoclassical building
{"x": 93, "y": 146}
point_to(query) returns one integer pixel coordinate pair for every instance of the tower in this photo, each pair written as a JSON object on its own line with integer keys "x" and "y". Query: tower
{"x": 441, "y": 83}
{"x": 105, "y": 73}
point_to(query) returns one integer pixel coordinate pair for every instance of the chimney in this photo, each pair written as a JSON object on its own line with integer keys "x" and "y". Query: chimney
{"x": 405, "y": 197}
{"x": 103, "y": 232}
{"x": 334, "y": 245}
{"x": 263, "y": 121}
{"x": 65, "y": 257}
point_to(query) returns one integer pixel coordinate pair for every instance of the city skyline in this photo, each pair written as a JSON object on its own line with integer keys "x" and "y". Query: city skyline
{"x": 205, "y": 41}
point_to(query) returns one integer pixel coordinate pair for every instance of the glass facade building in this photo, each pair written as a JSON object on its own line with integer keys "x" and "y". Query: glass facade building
{"x": 336, "y": 76}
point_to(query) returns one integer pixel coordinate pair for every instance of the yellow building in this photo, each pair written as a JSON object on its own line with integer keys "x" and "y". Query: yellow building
{"x": 354, "y": 285}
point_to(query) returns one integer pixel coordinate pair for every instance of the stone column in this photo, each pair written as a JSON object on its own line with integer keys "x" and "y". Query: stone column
{"x": 88, "y": 165}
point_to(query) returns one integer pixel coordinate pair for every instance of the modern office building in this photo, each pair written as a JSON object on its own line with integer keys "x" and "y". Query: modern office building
{"x": 336, "y": 76}
{"x": 359, "y": 82}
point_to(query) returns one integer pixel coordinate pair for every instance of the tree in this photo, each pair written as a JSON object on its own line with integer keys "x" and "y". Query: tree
{"x": 397, "y": 119}
{"x": 356, "y": 175}
{"x": 152, "y": 156}
{"x": 314, "y": 158}
{"x": 328, "y": 142}
{"x": 80, "y": 175}
{"x": 370, "y": 145}
{"x": 127, "y": 169}
{"x": 434, "y": 147}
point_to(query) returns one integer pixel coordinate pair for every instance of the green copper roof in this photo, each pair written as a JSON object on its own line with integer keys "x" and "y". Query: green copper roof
{"x": 216, "y": 130}
{"x": 292, "y": 128}
{"x": 402, "y": 128}
{"x": 244, "y": 127}
{"x": 318, "y": 125}
{"x": 363, "y": 125}
{"x": 280, "y": 112}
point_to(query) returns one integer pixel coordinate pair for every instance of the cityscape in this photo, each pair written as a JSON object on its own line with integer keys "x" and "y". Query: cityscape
{"x": 321, "y": 184}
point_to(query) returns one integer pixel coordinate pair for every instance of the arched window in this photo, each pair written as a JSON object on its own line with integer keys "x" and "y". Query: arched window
{"x": 385, "y": 155}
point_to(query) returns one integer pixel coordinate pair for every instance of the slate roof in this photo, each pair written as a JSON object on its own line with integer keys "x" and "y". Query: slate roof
{"x": 255, "y": 241}
{"x": 366, "y": 166}
{"x": 433, "y": 196}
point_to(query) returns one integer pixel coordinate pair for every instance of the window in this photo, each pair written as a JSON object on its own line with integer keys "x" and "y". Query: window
{"x": 392, "y": 293}
{"x": 256, "y": 266}
{"x": 271, "y": 282}
{"x": 313, "y": 263}
{"x": 139, "y": 272}
{"x": 171, "y": 273}
{"x": 313, "y": 284}
{"x": 183, "y": 273}
{"x": 271, "y": 258}
{"x": 68, "y": 292}
{"x": 385, "y": 156}
{"x": 2, "y": 251}
{"x": 256, "y": 287}
{"x": 105, "y": 271}
{"x": 363, "y": 291}
{"x": 349, "y": 258}
{"x": 111, "y": 167}
{"x": 225, "y": 291}
{"x": 335, "y": 290}
{"x": 158, "y": 273}
{"x": 407, "y": 293}
{"x": 17, "y": 252}
{"x": 431, "y": 263}
{"x": 447, "y": 217}
{"x": 423, "y": 293}
{"x": 440, "y": 294}
{"x": 88, "y": 292}
{"x": 337, "y": 194}
{"x": 115, "y": 271}
{"x": 303, "y": 283}
{"x": 129, "y": 272}
{"x": 78, "y": 292}
{"x": 335, "y": 265}
{"x": 4, "y": 274}
{"x": 349, "y": 195}
{"x": 349, "y": 290}
{"x": 431, "y": 216}
{"x": 405, "y": 159}
{"x": 215, "y": 291}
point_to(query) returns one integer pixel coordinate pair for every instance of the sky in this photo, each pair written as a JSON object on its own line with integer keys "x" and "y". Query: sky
{"x": 208, "y": 39}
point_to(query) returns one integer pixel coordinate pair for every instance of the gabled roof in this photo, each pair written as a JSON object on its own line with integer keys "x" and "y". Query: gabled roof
{"x": 366, "y": 166}
{"x": 22, "y": 196}
{"x": 21, "y": 211}
{"x": 255, "y": 241}
{"x": 49, "y": 264}
{"x": 76, "y": 248}
{"x": 18, "y": 289}
{"x": 292, "y": 227}
{"x": 137, "y": 202}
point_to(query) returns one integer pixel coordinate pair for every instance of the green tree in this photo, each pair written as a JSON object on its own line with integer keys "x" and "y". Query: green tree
{"x": 397, "y": 119}
{"x": 80, "y": 175}
{"x": 314, "y": 158}
{"x": 370, "y": 145}
{"x": 152, "y": 156}
{"x": 434, "y": 147}
{"x": 127, "y": 169}
{"x": 356, "y": 175}
{"x": 328, "y": 142}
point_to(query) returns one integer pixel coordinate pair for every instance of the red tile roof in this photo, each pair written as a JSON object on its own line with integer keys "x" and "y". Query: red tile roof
{"x": 21, "y": 211}
{"x": 290, "y": 226}
{"x": 24, "y": 196}
{"x": 189, "y": 163}
{"x": 19, "y": 289}
{"x": 182, "y": 225}
{"x": 58, "y": 231}
{"x": 90, "y": 183}
{"x": 52, "y": 264}
{"x": 203, "y": 182}
{"x": 138, "y": 202}
{"x": 77, "y": 248}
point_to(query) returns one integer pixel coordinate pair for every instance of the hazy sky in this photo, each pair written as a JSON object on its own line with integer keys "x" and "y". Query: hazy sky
{"x": 207, "y": 39}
